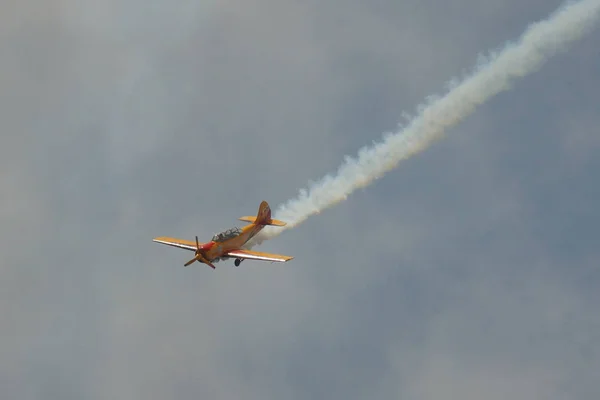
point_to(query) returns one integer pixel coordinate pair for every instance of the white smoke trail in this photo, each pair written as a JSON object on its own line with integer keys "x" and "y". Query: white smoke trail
{"x": 491, "y": 75}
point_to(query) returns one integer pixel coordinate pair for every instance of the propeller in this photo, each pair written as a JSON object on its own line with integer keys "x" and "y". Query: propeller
{"x": 199, "y": 257}
{"x": 198, "y": 254}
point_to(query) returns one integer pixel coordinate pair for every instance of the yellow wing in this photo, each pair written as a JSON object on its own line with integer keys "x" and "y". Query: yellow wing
{"x": 257, "y": 255}
{"x": 180, "y": 243}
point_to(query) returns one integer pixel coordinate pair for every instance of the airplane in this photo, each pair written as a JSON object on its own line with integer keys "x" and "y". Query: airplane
{"x": 228, "y": 244}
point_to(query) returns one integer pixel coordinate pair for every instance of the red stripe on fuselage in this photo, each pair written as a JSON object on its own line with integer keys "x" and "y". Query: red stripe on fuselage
{"x": 207, "y": 246}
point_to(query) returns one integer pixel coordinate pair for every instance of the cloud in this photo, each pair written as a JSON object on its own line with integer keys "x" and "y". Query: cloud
{"x": 125, "y": 121}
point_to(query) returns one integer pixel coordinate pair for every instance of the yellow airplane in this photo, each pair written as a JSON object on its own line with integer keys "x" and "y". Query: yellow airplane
{"x": 228, "y": 244}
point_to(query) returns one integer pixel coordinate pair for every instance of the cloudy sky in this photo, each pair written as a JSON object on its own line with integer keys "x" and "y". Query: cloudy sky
{"x": 471, "y": 271}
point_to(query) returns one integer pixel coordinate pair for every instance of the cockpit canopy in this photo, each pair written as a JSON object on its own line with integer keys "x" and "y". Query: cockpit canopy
{"x": 228, "y": 234}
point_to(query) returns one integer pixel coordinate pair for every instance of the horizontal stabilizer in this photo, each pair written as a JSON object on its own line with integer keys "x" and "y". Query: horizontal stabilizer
{"x": 271, "y": 221}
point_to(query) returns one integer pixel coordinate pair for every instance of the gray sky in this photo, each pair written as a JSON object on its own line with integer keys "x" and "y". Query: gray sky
{"x": 470, "y": 271}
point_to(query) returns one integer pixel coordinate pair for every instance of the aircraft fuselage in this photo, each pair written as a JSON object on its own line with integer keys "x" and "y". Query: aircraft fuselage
{"x": 215, "y": 250}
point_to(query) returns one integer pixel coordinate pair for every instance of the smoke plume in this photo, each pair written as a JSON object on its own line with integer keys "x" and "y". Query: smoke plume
{"x": 492, "y": 74}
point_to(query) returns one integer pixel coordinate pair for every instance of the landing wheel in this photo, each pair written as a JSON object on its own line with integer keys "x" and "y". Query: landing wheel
{"x": 237, "y": 262}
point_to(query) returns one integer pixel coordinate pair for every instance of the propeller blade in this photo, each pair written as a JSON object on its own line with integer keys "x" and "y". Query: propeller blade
{"x": 205, "y": 261}
{"x": 193, "y": 260}
{"x": 197, "y": 244}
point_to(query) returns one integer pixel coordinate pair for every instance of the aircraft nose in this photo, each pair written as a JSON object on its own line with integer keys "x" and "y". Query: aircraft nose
{"x": 207, "y": 246}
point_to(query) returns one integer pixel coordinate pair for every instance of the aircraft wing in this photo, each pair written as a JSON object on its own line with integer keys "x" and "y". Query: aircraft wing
{"x": 257, "y": 255}
{"x": 180, "y": 243}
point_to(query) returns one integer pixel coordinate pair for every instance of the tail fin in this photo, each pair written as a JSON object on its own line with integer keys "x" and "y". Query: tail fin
{"x": 263, "y": 217}
{"x": 264, "y": 213}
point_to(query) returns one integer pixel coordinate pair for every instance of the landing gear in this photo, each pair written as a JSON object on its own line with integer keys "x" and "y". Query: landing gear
{"x": 237, "y": 262}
